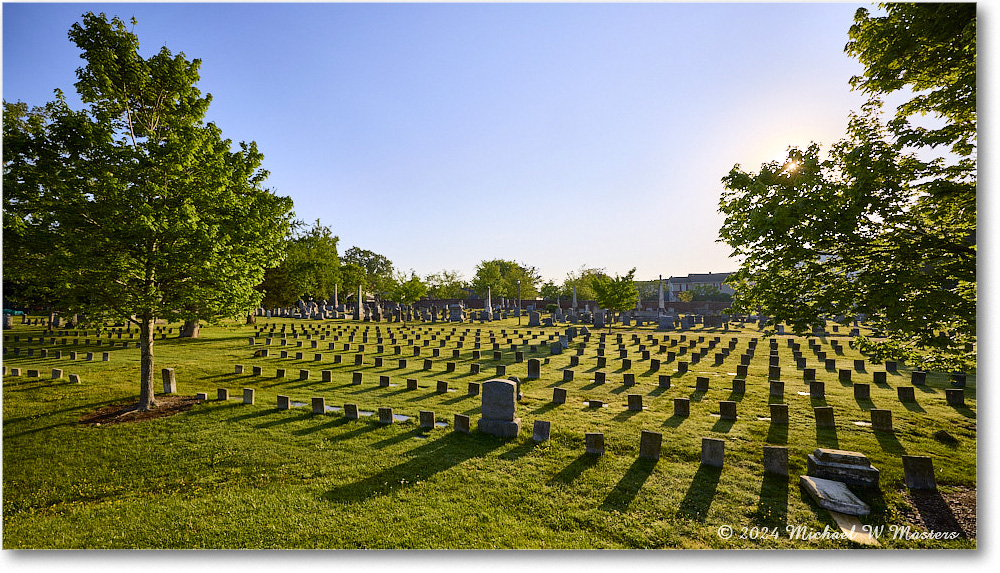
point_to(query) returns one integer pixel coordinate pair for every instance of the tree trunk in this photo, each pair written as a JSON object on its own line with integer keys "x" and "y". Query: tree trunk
{"x": 191, "y": 329}
{"x": 251, "y": 318}
{"x": 146, "y": 401}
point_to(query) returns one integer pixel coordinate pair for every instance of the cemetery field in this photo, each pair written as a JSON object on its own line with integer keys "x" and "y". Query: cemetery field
{"x": 225, "y": 474}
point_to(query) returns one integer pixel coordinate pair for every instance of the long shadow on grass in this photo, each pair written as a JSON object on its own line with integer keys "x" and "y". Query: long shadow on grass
{"x": 253, "y": 414}
{"x": 457, "y": 399}
{"x": 777, "y": 433}
{"x": 674, "y": 421}
{"x": 700, "y": 494}
{"x": 965, "y": 411}
{"x": 889, "y": 443}
{"x": 772, "y": 507}
{"x": 545, "y": 408}
{"x": 425, "y": 461}
{"x": 628, "y": 487}
{"x": 723, "y": 426}
{"x": 865, "y": 404}
{"x": 625, "y": 415}
{"x": 331, "y": 423}
{"x": 284, "y": 420}
{"x": 827, "y": 438}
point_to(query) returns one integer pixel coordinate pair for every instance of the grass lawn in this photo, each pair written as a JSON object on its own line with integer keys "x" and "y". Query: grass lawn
{"x": 227, "y": 475}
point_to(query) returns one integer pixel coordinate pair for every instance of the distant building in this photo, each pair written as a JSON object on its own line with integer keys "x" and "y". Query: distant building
{"x": 676, "y": 285}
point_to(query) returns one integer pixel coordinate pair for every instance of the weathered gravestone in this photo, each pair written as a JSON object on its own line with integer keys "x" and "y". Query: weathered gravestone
{"x": 833, "y": 495}
{"x": 918, "y": 472}
{"x": 499, "y": 409}
{"x": 169, "y": 381}
{"x": 852, "y": 468}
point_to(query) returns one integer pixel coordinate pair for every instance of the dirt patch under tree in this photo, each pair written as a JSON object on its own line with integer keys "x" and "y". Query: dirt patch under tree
{"x": 125, "y": 412}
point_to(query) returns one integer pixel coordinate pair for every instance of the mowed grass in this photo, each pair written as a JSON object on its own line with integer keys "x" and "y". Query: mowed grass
{"x": 229, "y": 475}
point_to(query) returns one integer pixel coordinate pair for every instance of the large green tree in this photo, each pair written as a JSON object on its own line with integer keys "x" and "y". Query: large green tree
{"x": 501, "y": 277}
{"x": 134, "y": 207}
{"x": 582, "y": 279}
{"x": 446, "y": 284}
{"x": 615, "y": 294}
{"x": 378, "y": 268}
{"x": 310, "y": 268}
{"x": 879, "y": 225}
{"x": 406, "y": 290}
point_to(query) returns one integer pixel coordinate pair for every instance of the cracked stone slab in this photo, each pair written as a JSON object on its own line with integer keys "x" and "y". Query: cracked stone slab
{"x": 833, "y": 495}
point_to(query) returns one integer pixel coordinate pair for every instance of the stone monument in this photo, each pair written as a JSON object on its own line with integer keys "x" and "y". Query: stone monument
{"x": 500, "y": 409}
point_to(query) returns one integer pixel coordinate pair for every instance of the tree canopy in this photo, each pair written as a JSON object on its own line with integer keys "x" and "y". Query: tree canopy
{"x": 583, "y": 279}
{"x": 377, "y": 268}
{"x": 446, "y": 284}
{"x": 616, "y": 294}
{"x": 311, "y": 268}
{"x": 502, "y": 277}
{"x": 873, "y": 227}
{"x": 134, "y": 208}
{"x": 406, "y": 290}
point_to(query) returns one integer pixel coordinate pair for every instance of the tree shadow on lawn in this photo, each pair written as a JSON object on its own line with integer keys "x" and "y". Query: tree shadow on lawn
{"x": 698, "y": 499}
{"x": 423, "y": 463}
{"x": 628, "y": 487}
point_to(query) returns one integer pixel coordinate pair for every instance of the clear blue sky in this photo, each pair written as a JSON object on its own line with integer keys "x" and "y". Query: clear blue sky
{"x": 442, "y": 135}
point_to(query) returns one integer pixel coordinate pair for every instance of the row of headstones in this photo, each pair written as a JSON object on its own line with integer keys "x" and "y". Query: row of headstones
{"x": 357, "y": 378}
{"x": 57, "y": 374}
{"x": 881, "y": 419}
{"x": 396, "y": 348}
{"x": 72, "y": 355}
{"x": 64, "y": 337}
{"x": 405, "y": 336}
{"x": 402, "y": 363}
{"x": 570, "y": 332}
{"x": 918, "y": 470}
{"x": 74, "y": 341}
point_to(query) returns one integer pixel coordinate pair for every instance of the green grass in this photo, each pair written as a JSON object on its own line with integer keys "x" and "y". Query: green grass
{"x": 228, "y": 475}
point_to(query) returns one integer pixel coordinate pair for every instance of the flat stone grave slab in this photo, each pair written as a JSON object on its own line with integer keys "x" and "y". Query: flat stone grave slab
{"x": 849, "y": 467}
{"x": 833, "y": 495}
